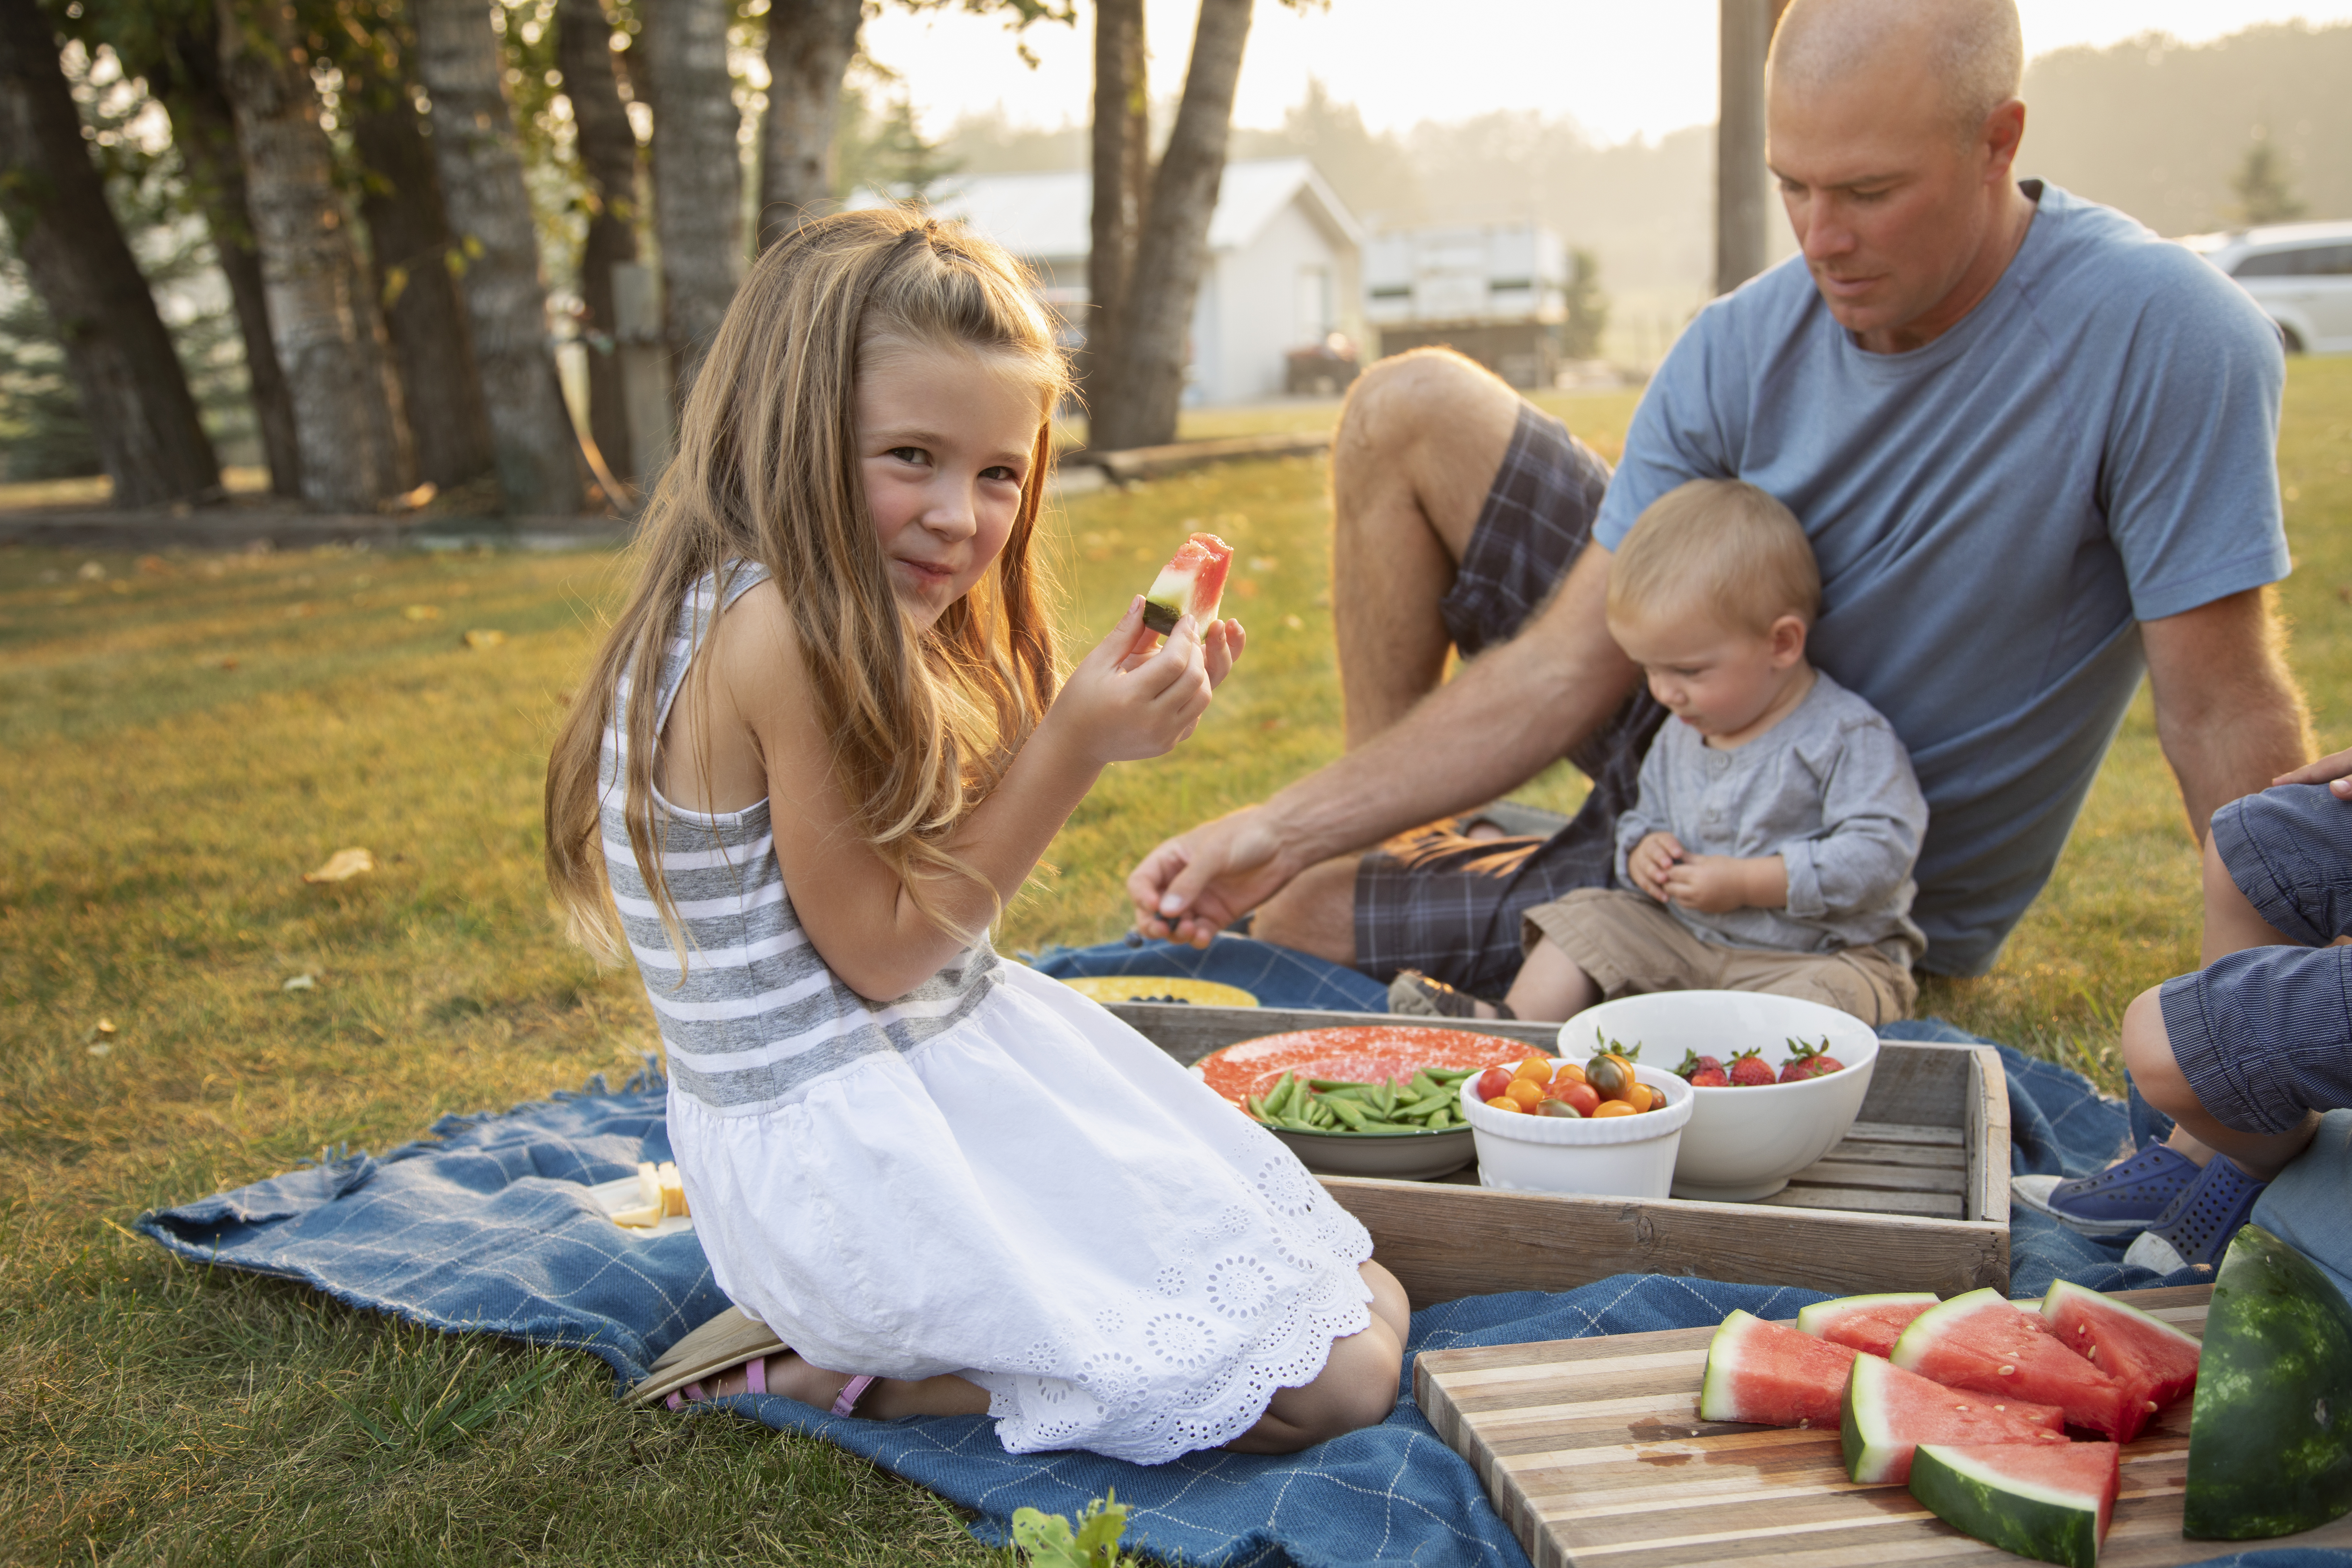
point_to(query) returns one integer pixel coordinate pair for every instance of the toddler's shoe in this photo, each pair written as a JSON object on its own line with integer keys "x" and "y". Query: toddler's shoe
{"x": 2128, "y": 1196}
{"x": 2198, "y": 1228}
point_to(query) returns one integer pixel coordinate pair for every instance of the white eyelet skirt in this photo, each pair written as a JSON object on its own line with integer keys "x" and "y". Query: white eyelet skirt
{"x": 1042, "y": 1201}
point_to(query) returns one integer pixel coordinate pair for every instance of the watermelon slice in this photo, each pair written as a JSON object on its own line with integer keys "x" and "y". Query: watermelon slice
{"x": 1869, "y": 1324}
{"x": 2050, "y": 1503}
{"x": 1981, "y": 1342}
{"x": 1771, "y": 1375}
{"x": 1190, "y": 584}
{"x": 1889, "y": 1411}
{"x": 2155, "y": 1362}
{"x": 2270, "y": 1439}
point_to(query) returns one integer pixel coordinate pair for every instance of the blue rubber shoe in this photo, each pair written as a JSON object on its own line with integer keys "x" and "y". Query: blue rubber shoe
{"x": 2196, "y": 1230}
{"x": 2129, "y": 1196}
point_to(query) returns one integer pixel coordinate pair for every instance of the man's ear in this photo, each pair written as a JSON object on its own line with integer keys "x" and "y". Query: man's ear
{"x": 2004, "y": 129}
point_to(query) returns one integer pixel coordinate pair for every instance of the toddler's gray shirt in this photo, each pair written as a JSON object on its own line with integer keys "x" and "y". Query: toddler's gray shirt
{"x": 1830, "y": 790}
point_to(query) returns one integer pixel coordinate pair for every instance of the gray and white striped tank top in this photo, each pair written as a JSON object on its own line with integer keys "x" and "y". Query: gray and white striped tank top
{"x": 755, "y": 1016}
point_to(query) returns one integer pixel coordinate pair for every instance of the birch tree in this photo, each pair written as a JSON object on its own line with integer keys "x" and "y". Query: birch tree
{"x": 809, "y": 47}
{"x": 118, "y": 354}
{"x": 1137, "y": 406}
{"x": 608, "y": 167}
{"x": 698, "y": 178}
{"x": 347, "y": 426}
{"x": 479, "y": 159}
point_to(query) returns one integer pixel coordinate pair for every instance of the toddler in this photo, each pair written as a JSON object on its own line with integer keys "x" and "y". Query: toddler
{"x": 1772, "y": 843}
{"x": 825, "y": 739}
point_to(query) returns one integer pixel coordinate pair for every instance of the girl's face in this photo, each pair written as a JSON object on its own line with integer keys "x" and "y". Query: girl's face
{"x": 944, "y": 441}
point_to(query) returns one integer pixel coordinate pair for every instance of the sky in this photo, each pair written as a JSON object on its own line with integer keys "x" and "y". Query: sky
{"x": 1618, "y": 68}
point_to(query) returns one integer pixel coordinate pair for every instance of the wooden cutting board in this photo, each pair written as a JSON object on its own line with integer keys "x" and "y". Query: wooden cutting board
{"x": 1593, "y": 1451}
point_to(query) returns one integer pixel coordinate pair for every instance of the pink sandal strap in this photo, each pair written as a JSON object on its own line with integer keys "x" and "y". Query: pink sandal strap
{"x": 850, "y": 1393}
{"x": 755, "y": 1375}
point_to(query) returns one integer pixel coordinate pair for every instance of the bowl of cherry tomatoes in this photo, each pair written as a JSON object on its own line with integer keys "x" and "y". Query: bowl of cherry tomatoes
{"x": 1786, "y": 1080}
{"x": 1607, "y": 1127}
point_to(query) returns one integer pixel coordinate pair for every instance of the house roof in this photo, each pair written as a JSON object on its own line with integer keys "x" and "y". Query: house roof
{"x": 1044, "y": 217}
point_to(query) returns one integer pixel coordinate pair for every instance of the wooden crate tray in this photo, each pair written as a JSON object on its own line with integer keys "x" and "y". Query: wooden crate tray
{"x": 1593, "y": 1451}
{"x": 1916, "y": 1198}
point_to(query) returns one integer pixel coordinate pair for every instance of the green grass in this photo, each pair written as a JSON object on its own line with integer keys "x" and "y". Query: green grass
{"x": 180, "y": 741}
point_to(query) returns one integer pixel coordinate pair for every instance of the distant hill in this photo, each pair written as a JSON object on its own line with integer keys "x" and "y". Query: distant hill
{"x": 2152, "y": 126}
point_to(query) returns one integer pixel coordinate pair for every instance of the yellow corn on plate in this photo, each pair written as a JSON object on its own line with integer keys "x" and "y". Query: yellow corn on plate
{"x": 1109, "y": 988}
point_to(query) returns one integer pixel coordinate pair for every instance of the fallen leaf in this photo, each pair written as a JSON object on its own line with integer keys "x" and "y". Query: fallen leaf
{"x": 480, "y": 639}
{"x": 91, "y": 571}
{"x": 422, "y": 612}
{"x": 155, "y": 567}
{"x": 1246, "y": 588}
{"x": 1264, "y": 564}
{"x": 228, "y": 664}
{"x": 301, "y": 983}
{"x": 101, "y": 1049}
{"x": 1294, "y": 623}
{"x": 341, "y": 867}
{"x": 106, "y": 1026}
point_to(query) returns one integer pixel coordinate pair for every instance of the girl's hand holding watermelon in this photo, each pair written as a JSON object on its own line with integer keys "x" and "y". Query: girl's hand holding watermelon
{"x": 1125, "y": 701}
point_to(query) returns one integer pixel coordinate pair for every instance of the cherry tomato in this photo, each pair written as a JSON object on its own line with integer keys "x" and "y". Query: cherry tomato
{"x": 1641, "y": 1097}
{"x": 1536, "y": 1070}
{"x": 1615, "y": 1108}
{"x": 1491, "y": 1082}
{"x": 1505, "y": 1102}
{"x": 1524, "y": 1093}
{"x": 1612, "y": 1075}
{"x": 1559, "y": 1107}
{"x": 1583, "y": 1096}
{"x": 1568, "y": 1072}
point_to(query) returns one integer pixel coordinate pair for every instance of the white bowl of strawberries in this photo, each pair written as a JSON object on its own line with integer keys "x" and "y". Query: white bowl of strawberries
{"x": 1787, "y": 1079}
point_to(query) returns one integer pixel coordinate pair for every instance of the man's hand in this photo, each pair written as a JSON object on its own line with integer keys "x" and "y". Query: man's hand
{"x": 1196, "y": 884}
{"x": 1718, "y": 884}
{"x": 1651, "y": 858}
{"x": 2334, "y": 770}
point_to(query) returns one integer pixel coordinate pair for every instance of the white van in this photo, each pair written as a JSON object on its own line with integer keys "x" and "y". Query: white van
{"x": 2301, "y": 273}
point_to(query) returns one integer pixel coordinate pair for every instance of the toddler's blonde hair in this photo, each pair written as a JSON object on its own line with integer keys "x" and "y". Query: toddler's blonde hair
{"x": 1717, "y": 547}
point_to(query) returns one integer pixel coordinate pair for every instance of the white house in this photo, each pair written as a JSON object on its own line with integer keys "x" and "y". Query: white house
{"x": 1283, "y": 263}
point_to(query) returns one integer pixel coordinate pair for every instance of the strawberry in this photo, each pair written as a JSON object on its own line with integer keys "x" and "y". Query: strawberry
{"x": 1710, "y": 1077}
{"x": 1694, "y": 1063}
{"x": 1810, "y": 1061}
{"x": 1749, "y": 1069}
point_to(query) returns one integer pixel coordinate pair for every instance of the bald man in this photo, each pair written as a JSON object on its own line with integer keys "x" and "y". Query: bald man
{"x": 2031, "y": 445}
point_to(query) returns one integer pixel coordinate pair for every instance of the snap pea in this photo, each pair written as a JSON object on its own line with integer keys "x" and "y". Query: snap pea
{"x": 1452, "y": 1074}
{"x": 1422, "y": 1085}
{"x": 1346, "y": 1111}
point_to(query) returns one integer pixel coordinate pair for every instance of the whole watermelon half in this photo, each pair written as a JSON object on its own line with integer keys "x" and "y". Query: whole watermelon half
{"x": 2270, "y": 1433}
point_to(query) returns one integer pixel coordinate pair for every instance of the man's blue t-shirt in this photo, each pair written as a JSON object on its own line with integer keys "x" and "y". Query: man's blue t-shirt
{"x": 2090, "y": 447}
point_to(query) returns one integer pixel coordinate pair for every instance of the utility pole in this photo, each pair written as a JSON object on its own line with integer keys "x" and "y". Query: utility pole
{"x": 1743, "y": 205}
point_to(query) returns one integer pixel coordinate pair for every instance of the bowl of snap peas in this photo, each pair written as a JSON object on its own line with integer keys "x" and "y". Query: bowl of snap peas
{"x": 1408, "y": 1129}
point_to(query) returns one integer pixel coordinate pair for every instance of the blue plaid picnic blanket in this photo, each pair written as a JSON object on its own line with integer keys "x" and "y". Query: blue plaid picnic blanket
{"x": 485, "y": 1226}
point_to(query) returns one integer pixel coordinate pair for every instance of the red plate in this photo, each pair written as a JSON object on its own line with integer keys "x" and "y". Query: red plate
{"x": 1366, "y": 1053}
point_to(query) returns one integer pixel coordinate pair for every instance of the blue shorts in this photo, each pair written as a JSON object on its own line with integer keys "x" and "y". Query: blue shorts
{"x": 2266, "y": 1035}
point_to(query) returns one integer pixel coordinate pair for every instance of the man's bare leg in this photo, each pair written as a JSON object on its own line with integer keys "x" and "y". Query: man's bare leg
{"x": 1419, "y": 444}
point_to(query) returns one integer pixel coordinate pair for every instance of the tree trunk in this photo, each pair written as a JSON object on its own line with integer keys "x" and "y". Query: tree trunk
{"x": 480, "y": 162}
{"x": 1122, "y": 180}
{"x": 120, "y": 358}
{"x": 698, "y": 179}
{"x": 1172, "y": 250}
{"x": 608, "y": 167}
{"x": 810, "y": 44}
{"x": 353, "y": 446}
{"x": 187, "y": 81}
{"x": 432, "y": 345}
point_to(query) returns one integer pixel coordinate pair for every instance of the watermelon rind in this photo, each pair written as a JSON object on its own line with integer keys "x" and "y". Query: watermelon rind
{"x": 1874, "y": 1452}
{"x": 2053, "y": 1524}
{"x": 2270, "y": 1431}
{"x": 1715, "y": 1396}
{"x": 1817, "y": 1319}
{"x": 1192, "y": 583}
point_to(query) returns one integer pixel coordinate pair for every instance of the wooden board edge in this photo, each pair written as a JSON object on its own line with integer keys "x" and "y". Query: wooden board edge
{"x": 1988, "y": 1145}
{"x": 1444, "y": 1241}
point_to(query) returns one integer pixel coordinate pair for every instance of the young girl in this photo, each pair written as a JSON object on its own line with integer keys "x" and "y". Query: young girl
{"x": 821, "y": 747}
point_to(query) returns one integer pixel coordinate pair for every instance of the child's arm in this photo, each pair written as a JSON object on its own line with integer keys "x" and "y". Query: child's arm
{"x": 1121, "y": 703}
{"x": 1872, "y": 819}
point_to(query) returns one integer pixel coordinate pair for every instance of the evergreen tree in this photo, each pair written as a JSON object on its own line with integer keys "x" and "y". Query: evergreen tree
{"x": 2264, "y": 192}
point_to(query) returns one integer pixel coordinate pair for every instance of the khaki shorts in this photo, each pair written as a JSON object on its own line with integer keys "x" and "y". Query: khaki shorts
{"x": 1629, "y": 943}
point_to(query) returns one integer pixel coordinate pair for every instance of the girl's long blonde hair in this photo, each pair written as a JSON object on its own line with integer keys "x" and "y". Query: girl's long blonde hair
{"x": 920, "y": 724}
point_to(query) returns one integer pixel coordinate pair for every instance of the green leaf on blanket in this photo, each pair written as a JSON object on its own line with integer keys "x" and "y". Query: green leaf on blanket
{"x": 1048, "y": 1541}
